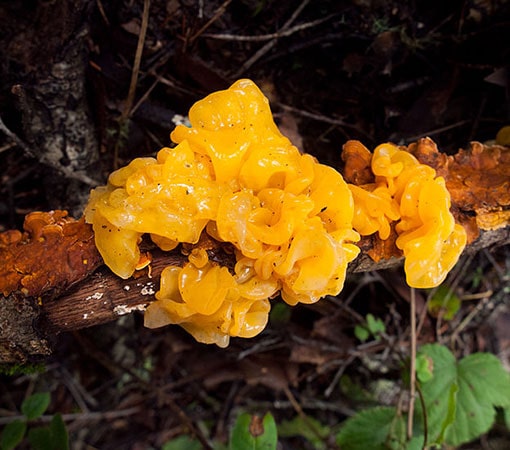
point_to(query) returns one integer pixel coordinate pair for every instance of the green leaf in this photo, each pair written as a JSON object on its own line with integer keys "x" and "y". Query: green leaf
{"x": 460, "y": 398}
{"x": 424, "y": 367}
{"x": 361, "y": 333}
{"x": 438, "y": 393}
{"x": 252, "y": 433}
{"x": 375, "y": 326}
{"x": 182, "y": 443}
{"x": 379, "y": 428}
{"x": 506, "y": 417}
{"x": 483, "y": 384}
{"x": 354, "y": 391}
{"x": 300, "y": 427}
{"x": 444, "y": 302}
{"x": 59, "y": 436}
{"x": 280, "y": 315}
{"x": 219, "y": 446}
{"x": 40, "y": 438}
{"x": 34, "y": 406}
{"x": 52, "y": 437}
{"x": 13, "y": 434}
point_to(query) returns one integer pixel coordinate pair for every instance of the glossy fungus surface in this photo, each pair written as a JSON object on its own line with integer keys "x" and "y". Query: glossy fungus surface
{"x": 409, "y": 196}
{"x": 234, "y": 176}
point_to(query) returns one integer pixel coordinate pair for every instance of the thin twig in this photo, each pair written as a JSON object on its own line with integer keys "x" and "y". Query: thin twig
{"x": 145, "y": 96}
{"x": 263, "y": 50}
{"x": 438, "y": 130}
{"x": 19, "y": 142}
{"x": 187, "y": 422}
{"x": 100, "y": 7}
{"x": 7, "y": 147}
{"x": 297, "y": 407}
{"x": 86, "y": 416}
{"x": 78, "y": 175}
{"x": 127, "y": 111}
{"x": 219, "y": 12}
{"x": 266, "y": 37}
{"x": 425, "y": 417}
{"x": 465, "y": 322}
{"x": 338, "y": 374}
{"x": 325, "y": 119}
{"x": 138, "y": 58}
{"x": 412, "y": 368}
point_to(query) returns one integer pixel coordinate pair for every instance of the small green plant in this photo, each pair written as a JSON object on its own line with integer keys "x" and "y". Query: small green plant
{"x": 51, "y": 437}
{"x": 250, "y": 432}
{"x": 254, "y": 433}
{"x": 459, "y": 401}
{"x": 310, "y": 429}
{"x": 182, "y": 442}
{"x": 372, "y": 327}
{"x": 444, "y": 302}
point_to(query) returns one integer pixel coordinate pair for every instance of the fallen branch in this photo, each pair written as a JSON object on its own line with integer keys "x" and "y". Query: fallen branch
{"x": 53, "y": 280}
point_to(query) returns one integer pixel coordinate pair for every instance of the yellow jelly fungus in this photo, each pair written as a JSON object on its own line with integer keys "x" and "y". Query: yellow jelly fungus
{"x": 236, "y": 177}
{"x": 229, "y": 125}
{"x": 410, "y": 195}
{"x": 374, "y": 212}
{"x": 172, "y": 198}
{"x": 428, "y": 235}
{"x": 209, "y": 303}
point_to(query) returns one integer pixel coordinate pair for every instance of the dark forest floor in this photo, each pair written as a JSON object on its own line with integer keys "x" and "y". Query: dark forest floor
{"x": 336, "y": 70}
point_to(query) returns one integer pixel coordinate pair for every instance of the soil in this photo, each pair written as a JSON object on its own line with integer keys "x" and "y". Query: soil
{"x": 333, "y": 70}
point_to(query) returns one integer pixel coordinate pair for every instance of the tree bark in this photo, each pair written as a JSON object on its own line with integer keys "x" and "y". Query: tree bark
{"x": 45, "y": 60}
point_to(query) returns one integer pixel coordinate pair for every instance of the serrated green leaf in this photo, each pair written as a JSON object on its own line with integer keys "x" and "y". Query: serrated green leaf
{"x": 438, "y": 393}
{"x": 13, "y": 434}
{"x": 379, "y": 428}
{"x": 300, "y": 427}
{"x": 250, "y": 433}
{"x": 182, "y": 443}
{"x": 34, "y": 406}
{"x": 483, "y": 384}
{"x": 461, "y": 397}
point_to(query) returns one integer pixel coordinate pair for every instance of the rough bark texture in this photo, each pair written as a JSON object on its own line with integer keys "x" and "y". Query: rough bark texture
{"x": 18, "y": 338}
{"x": 44, "y": 62}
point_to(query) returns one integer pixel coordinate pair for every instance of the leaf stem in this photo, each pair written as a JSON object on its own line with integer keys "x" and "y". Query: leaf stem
{"x": 412, "y": 369}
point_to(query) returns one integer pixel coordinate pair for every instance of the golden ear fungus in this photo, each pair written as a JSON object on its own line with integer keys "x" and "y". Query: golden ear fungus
{"x": 208, "y": 302}
{"x": 290, "y": 219}
{"x": 410, "y": 195}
